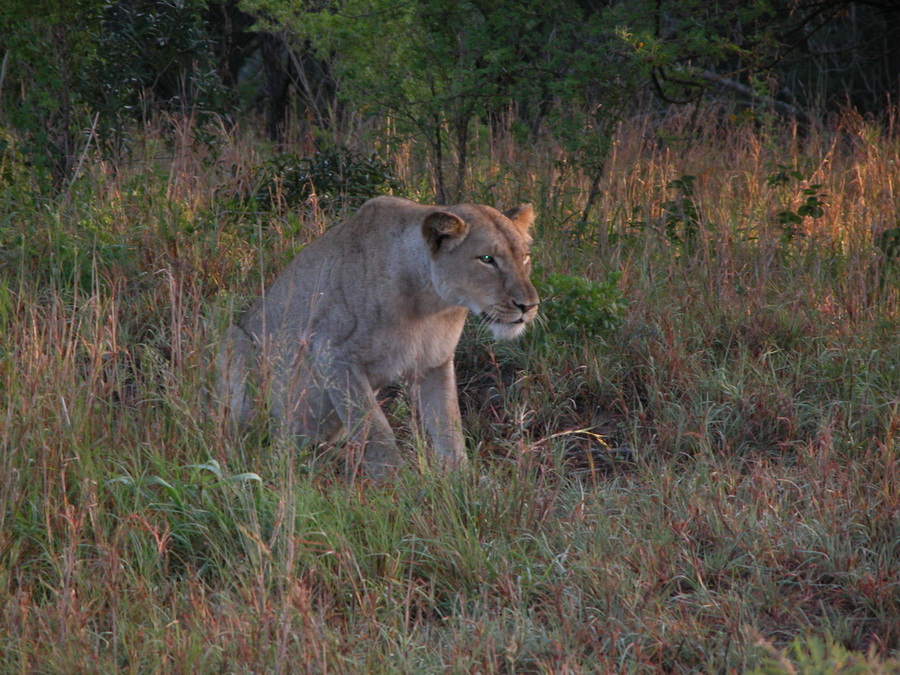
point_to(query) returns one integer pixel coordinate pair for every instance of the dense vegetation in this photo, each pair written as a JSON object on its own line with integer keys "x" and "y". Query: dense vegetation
{"x": 690, "y": 465}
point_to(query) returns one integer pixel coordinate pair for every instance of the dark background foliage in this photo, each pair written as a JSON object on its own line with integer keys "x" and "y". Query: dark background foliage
{"x": 76, "y": 70}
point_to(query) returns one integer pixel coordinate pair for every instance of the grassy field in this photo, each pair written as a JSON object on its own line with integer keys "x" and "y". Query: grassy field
{"x": 691, "y": 466}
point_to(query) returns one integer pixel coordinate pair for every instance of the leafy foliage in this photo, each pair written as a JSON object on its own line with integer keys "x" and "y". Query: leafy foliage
{"x": 818, "y": 656}
{"x": 334, "y": 177}
{"x": 790, "y": 221}
{"x": 153, "y": 55}
{"x": 579, "y": 310}
{"x": 888, "y": 242}
{"x": 79, "y": 70}
{"x": 682, "y": 215}
{"x": 47, "y": 50}
{"x": 432, "y": 67}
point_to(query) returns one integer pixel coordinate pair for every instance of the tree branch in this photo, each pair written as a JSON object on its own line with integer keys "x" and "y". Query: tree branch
{"x": 744, "y": 90}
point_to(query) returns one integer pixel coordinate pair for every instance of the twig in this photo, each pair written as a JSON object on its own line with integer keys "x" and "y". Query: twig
{"x": 3, "y": 70}
{"x": 87, "y": 146}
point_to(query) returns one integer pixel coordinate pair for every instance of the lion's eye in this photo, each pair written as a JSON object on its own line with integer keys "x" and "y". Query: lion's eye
{"x": 486, "y": 259}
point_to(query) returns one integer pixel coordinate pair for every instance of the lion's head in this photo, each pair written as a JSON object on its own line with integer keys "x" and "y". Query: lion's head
{"x": 480, "y": 259}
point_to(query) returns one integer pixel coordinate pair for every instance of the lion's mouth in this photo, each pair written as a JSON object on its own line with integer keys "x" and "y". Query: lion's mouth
{"x": 504, "y": 329}
{"x": 491, "y": 318}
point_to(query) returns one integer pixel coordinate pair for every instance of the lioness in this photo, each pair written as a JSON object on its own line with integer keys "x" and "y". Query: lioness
{"x": 380, "y": 297}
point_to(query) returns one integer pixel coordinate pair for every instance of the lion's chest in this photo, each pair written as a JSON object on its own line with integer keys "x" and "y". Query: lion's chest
{"x": 412, "y": 347}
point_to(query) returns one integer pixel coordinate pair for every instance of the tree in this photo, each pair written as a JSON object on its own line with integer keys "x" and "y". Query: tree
{"x": 154, "y": 54}
{"x": 434, "y": 67}
{"x": 46, "y": 46}
{"x": 75, "y": 69}
{"x": 431, "y": 66}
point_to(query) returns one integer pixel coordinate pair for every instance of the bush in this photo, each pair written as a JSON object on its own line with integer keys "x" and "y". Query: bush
{"x": 575, "y": 308}
{"x": 335, "y": 177}
{"x": 154, "y": 54}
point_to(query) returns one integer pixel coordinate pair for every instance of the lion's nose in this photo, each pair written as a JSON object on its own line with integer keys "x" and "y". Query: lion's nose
{"x": 526, "y": 308}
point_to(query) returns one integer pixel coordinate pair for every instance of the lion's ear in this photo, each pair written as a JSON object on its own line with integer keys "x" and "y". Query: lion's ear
{"x": 443, "y": 230}
{"x": 523, "y": 218}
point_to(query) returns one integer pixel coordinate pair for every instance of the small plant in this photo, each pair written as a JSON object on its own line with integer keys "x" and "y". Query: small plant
{"x": 575, "y": 308}
{"x": 193, "y": 512}
{"x": 813, "y": 205}
{"x": 682, "y": 217}
{"x": 815, "y": 655}
{"x": 888, "y": 243}
{"x": 14, "y": 173}
{"x": 335, "y": 177}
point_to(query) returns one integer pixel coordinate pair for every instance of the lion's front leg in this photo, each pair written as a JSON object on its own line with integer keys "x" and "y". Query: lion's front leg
{"x": 235, "y": 360}
{"x": 355, "y": 402}
{"x": 434, "y": 395}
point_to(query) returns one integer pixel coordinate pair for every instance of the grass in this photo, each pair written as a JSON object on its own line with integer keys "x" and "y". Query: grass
{"x": 707, "y": 480}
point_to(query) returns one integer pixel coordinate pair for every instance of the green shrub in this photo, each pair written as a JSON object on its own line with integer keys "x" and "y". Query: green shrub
{"x": 336, "y": 176}
{"x": 575, "y": 308}
{"x": 814, "y": 655}
{"x": 682, "y": 215}
{"x": 790, "y": 221}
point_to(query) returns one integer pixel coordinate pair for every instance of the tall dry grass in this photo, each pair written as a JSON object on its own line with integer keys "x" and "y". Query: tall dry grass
{"x": 712, "y": 486}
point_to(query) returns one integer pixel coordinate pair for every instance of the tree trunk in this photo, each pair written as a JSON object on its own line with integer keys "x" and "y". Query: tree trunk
{"x": 440, "y": 189}
{"x": 892, "y": 20}
{"x": 462, "y": 143}
{"x": 65, "y": 136}
{"x": 592, "y": 195}
{"x": 277, "y": 82}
